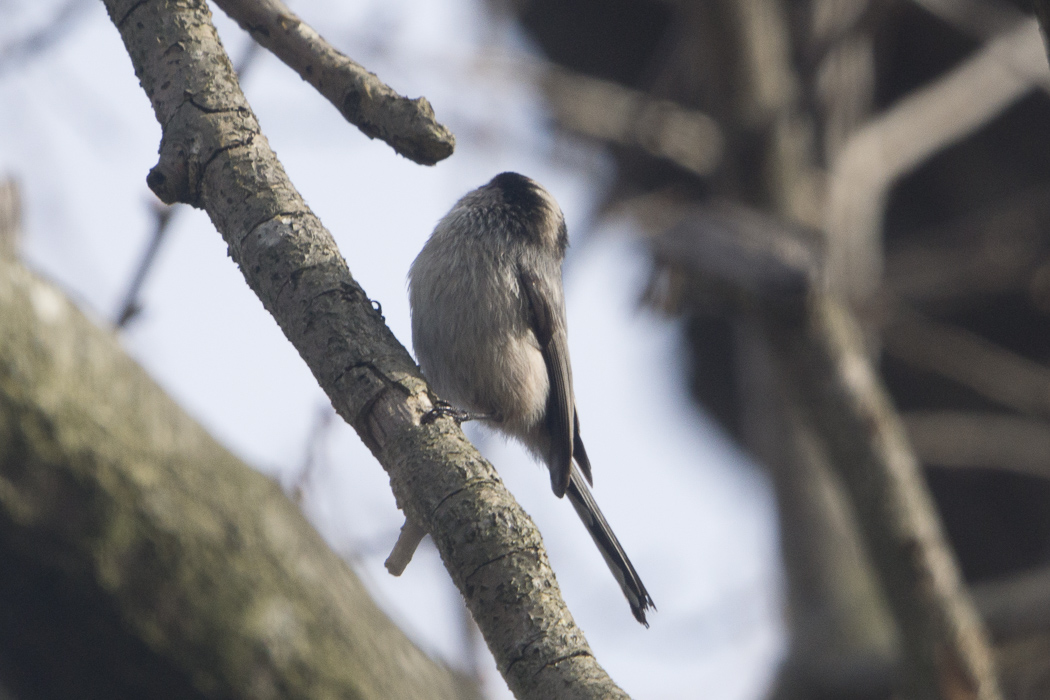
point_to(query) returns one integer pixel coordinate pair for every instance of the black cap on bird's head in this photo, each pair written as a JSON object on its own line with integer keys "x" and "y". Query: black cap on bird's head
{"x": 528, "y": 202}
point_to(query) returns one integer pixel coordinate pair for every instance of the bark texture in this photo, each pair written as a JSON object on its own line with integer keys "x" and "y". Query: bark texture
{"x": 408, "y": 126}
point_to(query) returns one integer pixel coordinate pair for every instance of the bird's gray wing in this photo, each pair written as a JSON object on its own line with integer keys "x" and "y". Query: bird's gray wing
{"x": 548, "y": 323}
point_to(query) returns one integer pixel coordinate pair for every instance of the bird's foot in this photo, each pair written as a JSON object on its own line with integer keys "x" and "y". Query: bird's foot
{"x": 443, "y": 409}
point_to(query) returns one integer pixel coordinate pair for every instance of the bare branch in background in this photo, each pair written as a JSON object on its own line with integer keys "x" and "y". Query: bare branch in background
{"x": 17, "y": 52}
{"x": 605, "y": 110}
{"x": 312, "y": 455}
{"x": 844, "y": 640}
{"x": 214, "y": 156}
{"x": 945, "y": 650}
{"x": 771, "y": 94}
{"x": 981, "y": 440}
{"x": 1016, "y": 605}
{"x": 831, "y": 20}
{"x": 130, "y": 307}
{"x": 893, "y": 143}
{"x": 734, "y": 60}
{"x": 825, "y": 368}
{"x": 407, "y": 126}
{"x": 1042, "y": 12}
{"x": 737, "y": 263}
{"x": 964, "y": 357}
{"x": 990, "y": 252}
{"x": 844, "y": 84}
{"x": 162, "y": 218}
{"x": 980, "y": 19}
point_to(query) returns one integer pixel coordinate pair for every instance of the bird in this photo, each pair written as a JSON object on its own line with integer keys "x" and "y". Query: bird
{"x": 490, "y": 335}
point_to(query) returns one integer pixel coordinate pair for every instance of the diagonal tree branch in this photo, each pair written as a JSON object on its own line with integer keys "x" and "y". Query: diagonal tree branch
{"x": 408, "y": 126}
{"x": 990, "y": 370}
{"x": 605, "y": 110}
{"x": 214, "y": 156}
{"x": 945, "y": 650}
{"x": 895, "y": 142}
{"x": 971, "y": 440}
{"x": 825, "y": 370}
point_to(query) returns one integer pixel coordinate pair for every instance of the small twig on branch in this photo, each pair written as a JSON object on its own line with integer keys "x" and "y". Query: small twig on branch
{"x": 407, "y": 543}
{"x": 408, "y": 126}
{"x": 214, "y": 156}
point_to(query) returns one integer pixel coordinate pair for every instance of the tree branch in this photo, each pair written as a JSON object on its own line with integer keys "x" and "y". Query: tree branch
{"x": 17, "y": 52}
{"x": 408, "y": 126}
{"x": 990, "y": 370}
{"x": 995, "y": 251}
{"x": 826, "y": 371}
{"x": 214, "y": 156}
{"x": 605, "y": 110}
{"x": 923, "y": 123}
{"x": 964, "y": 440}
{"x": 1016, "y": 605}
{"x": 981, "y": 19}
{"x": 162, "y": 217}
{"x": 130, "y": 307}
{"x": 946, "y": 654}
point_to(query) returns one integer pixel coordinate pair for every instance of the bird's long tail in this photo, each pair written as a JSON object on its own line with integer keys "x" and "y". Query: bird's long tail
{"x": 603, "y": 536}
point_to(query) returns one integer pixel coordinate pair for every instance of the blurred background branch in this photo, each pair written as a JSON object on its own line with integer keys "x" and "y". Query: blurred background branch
{"x": 149, "y": 559}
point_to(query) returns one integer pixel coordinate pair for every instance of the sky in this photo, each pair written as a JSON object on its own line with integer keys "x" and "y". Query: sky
{"x": 696, "y": 518}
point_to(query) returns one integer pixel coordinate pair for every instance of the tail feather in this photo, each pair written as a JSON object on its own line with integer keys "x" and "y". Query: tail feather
{"x": 603, "y": 536}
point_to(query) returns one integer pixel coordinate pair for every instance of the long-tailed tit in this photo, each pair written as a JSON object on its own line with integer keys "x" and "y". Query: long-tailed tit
{"x": 489, "y": 331}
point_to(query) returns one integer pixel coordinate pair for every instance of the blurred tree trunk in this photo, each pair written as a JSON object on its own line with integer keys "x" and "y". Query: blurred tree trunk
{"x": 143, "y": 560}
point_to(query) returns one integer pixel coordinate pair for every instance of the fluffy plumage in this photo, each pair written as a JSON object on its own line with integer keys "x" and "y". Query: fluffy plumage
{"x": 490, "y": 334}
